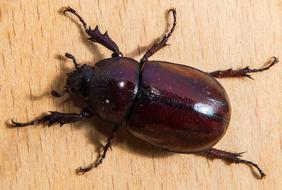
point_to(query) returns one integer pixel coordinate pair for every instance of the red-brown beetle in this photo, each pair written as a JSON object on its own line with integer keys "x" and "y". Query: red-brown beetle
{"x": 174, "y": 107}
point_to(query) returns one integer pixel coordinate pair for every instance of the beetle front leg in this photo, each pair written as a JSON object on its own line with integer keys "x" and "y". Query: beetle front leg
{"x": 54, "y": 117}
{"x": 107, "y": 146}
{"x": 96, "y": 36}
{"x": 232, "y": 158}
{"x": 161, "y": 44}
{"x": 245, "y": 72}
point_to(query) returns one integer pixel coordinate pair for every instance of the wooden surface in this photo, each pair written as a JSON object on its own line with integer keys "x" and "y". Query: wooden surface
{"x": 210, "y": 35}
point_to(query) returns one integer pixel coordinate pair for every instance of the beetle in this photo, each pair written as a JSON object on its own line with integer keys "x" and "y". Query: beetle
{"x": 171, "y": 106}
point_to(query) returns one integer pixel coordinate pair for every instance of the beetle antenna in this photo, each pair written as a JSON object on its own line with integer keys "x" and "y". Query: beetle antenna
{"x": 70, "y": 56}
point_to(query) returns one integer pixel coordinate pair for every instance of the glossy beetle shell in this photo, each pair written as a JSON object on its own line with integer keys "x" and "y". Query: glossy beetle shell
{"x": 179, "y": 108}
{"x": 113, "y": 88}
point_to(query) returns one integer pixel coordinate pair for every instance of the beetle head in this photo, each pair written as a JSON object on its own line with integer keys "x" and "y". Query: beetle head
{"x": 78, "y": 80}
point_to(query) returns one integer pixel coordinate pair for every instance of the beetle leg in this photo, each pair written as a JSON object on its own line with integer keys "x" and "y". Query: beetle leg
{"x": 232, "y": 158}
{"x": 82, "y": 170}
{"x": 59, "y": 117}
{"x": 96, "y": 36}
{"x": 243, "y": 72}
{"x": 159, "y": 45}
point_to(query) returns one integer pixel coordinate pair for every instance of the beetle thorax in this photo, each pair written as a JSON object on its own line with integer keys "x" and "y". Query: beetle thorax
{"x": 113, "y": 88}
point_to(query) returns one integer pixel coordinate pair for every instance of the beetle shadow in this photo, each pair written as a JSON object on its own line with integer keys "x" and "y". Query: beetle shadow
{"x": 140, "y": 50}
{"x": 123, "y": 140}
{"x": 99, "y": 130}
{"x": 59, "y": 81}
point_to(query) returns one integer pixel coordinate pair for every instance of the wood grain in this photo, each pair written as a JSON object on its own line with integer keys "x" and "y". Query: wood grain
{"x": 210, "y": 35}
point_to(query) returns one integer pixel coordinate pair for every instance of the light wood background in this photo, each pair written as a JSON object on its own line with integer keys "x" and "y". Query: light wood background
{"x": 210, "y": 35}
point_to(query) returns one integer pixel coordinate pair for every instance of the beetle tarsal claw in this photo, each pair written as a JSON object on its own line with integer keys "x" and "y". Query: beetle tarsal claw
{"x": 252, "y": 164}
{"x": 275, "y": 59}
{"x": 80, "y": 171}
{"x": 68, "y": 9}
{"x": 14, "y": 123}
{"x": 83, "y": 170}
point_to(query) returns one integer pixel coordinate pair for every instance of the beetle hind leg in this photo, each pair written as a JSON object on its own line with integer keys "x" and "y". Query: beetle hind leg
{"x": 245, "y": 72}
{"x": 107, "y": 146}
{"x": 232, "y": 158}
{"x": 161, "y": 44}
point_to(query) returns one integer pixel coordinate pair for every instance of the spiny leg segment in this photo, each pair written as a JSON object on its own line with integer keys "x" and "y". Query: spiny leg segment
{"x": 96, "y": 36}
{"x": 159, "y": 45}
{"x": 245, "y": 72}
{"x": 105, "y": 149}
{"x": 232, "y": 158}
